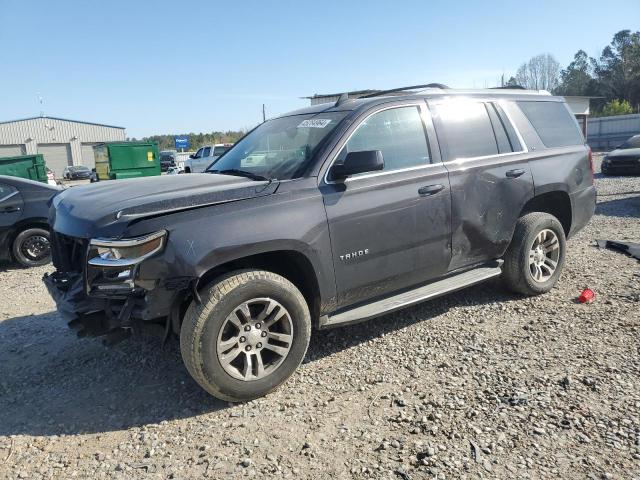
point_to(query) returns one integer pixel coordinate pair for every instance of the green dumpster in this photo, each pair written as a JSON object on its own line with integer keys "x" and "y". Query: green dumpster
{"x": 118, "y": 160}
{"x": 25, "y": 166}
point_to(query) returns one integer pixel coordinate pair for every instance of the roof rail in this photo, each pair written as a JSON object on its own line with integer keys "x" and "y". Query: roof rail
{"x": 413, "y": 87}
{"x": 343, "y": 98}
{"x": 509, "y": 87}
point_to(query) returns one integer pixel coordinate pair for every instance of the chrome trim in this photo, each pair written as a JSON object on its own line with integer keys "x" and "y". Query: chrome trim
{"x": 421, "y": 112}
{"x": 7, "y": 197}
{"x": 503, "y": 104}
{"x": 129, "y": 242}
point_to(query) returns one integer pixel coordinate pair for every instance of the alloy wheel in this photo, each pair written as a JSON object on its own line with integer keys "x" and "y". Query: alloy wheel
{"x": 255, "y": 339}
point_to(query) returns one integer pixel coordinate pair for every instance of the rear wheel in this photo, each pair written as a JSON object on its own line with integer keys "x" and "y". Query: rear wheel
{"x": 31, "y": 247}
{"x": 535, "y": 257}
{"x": 247, "y": 337}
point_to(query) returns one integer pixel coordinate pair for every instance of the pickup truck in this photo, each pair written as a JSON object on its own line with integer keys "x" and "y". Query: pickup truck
{"x": 325, "y": 216}
{"x": 205, "y": 156}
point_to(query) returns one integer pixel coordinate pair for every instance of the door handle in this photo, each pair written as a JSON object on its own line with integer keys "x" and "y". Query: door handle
{"x": 10, "y": 209}
{"x": 430, "y": 190}
{"x": 515, "y": 173}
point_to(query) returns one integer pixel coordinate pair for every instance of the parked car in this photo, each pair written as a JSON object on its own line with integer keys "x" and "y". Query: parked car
{"x": 77, "y": 172}
{"x": 167, "y": 160}
{"x": 625, "y": 159}
{"x": 24, "y": 231}
{"x": 205, "y": 156}
{"x": 326, "y": 216}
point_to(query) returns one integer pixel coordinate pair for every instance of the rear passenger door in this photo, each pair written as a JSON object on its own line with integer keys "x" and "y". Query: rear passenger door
{"x": 489, "y": 175}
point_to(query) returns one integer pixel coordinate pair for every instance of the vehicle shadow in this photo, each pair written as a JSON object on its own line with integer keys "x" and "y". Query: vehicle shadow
{"x": 52, "y": 383}
{"x": 621, "y": 207}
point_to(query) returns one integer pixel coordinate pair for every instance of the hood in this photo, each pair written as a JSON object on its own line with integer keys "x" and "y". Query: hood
{"x": 624, "y": 152}
{"x": 107, "y": 207}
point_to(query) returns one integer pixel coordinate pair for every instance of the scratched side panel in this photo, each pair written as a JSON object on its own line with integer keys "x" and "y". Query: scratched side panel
{"x": 485, "y": 206}
{"x": 291, "y": 219}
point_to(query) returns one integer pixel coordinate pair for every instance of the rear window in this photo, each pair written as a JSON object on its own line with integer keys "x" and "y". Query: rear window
{"x": 6, "y": 191}
{"x": 464, "y": 129}
{"x": 553, "y": 122}
{"x": 217, "y": 151}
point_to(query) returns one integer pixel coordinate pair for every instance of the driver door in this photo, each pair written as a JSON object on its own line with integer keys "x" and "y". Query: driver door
{"x": 389, "y": 229}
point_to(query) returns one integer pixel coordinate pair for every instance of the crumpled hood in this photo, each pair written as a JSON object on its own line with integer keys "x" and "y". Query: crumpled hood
{"x": 106, "y": 207}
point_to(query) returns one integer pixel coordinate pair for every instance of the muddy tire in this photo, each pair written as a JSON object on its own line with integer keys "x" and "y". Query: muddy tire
{"x": 536, "y": 255}
{"x": 248, "y": 335}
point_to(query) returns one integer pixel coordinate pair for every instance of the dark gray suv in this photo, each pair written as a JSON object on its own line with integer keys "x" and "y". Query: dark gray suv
{"x": 325, "y": 216}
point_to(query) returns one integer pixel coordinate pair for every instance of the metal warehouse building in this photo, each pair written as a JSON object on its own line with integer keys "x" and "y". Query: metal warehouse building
{"x": 62, "y": 142}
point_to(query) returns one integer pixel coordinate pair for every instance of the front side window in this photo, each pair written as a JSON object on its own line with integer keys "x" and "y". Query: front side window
{"x": 281, "y": 148}
{"x": 464, "y": 129}
{"x": 553, "y": 122}
{"x": 198, "y": 154}
{"x": 397, "y": 132}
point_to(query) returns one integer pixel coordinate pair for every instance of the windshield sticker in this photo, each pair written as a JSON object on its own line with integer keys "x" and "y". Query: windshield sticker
{"x": 315, "y": 123}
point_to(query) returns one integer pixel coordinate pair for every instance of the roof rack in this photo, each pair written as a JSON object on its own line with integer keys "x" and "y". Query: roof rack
{"x": 413, "y": 87}
{"x": 509, "y": 87}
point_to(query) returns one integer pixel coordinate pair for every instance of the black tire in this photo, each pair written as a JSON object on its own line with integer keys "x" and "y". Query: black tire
{"x": 187, "y": 170}
{"x": 39, "y": 237}
{"x": 202, "y": 325}
{"x": 517, "y": 274}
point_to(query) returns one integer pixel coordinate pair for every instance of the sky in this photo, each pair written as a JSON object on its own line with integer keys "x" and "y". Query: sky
{"x": 161, "y": 66}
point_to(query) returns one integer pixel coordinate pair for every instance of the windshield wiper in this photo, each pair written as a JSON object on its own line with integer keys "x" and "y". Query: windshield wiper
{"x": 240, "y": 173}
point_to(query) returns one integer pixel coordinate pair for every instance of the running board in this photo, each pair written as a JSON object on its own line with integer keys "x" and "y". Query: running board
{"x": 418, "y": 295}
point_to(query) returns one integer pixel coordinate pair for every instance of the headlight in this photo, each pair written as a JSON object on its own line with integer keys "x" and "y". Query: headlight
{"x": 121, "y": 253}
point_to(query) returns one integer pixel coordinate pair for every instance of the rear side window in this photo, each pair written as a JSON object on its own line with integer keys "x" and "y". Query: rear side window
{"x": 207, "y": 152}
{"x": 464, "y": 129}
{"x": 553, "y": 122}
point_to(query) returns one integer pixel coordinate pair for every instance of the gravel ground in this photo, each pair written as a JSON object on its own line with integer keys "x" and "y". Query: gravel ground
{"x": 478, "y": 384}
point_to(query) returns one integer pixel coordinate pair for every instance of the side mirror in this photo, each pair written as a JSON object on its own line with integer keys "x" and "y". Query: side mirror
{"x": 193, "y": 155}
{"x": 357, "y": 162}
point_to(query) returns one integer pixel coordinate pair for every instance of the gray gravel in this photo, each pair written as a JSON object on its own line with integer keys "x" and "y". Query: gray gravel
{"x": 479, "y": 384}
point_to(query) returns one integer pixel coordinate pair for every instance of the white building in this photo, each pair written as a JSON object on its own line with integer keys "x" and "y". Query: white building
{"x": 62, "y": 142}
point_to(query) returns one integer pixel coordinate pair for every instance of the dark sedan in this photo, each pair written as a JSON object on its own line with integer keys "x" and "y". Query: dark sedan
{"x": 625, "y": 159}
{"x": 24, "y": 231}
{"x": 79, "y": 172}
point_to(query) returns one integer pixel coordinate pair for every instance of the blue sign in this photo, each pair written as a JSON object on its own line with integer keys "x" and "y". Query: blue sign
{"x": 182, "y": 142}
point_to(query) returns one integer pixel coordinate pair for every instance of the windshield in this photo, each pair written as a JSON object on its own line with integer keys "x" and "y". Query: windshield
{"x": 280, "y": 148}
{"x": 633, "y": 142}
{"x": 79, "y": 169}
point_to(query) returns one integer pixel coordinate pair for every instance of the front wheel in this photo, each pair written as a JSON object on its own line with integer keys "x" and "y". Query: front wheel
{"x": 247, "y": 337}
{"x": 536, "y": 255}
{"x": 31, "y": 247}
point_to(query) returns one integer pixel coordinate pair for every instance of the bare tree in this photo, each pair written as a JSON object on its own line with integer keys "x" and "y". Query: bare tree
{"x": 539, "y": 73}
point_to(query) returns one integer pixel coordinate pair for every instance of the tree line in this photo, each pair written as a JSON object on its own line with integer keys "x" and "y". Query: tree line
{"x": 614, "y": 75}
{"x": 196, "y": 140}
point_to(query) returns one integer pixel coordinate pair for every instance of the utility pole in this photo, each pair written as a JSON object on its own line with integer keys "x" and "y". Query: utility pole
{"x": 40, "y": 101}
{"x": 264, "y": 116}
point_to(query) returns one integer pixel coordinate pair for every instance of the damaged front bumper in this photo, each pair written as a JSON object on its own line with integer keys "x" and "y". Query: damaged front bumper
{"x": 136, "y": 312}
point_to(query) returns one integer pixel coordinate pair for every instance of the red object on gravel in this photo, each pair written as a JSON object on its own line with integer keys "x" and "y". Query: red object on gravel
{"x": 587, "y": 296}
